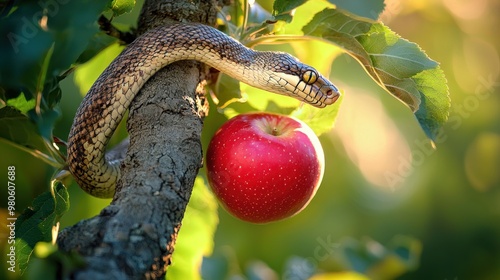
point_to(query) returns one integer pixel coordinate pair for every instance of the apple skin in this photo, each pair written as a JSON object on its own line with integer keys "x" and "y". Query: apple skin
{"x": 264, "y": 167}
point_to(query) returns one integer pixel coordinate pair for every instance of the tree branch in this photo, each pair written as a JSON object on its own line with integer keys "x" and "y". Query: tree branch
{"x": 107, "y": 27}
{"x": 134, "y": 237}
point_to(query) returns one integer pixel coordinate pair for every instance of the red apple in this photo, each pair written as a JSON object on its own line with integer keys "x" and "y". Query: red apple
{"x": 264, "y": 167}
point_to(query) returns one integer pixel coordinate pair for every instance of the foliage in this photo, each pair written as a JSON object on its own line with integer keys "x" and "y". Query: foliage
{"x": 40, "y": 223}
{"x": 367, "y": 259}
{"x": 48, "y": 262}
{"x": 401, "y": 67}
{"x": 119, "y": 7}
{"x": 398, "y": 65}
{"x": 55, "y": 40}
{"x": 195, "y": 239}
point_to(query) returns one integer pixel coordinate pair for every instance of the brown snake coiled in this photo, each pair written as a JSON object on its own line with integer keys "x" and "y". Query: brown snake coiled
{"x": 105, "y": 104}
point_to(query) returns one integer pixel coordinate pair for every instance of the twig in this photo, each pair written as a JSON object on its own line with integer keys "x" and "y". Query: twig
{"x": 106, "y": 26}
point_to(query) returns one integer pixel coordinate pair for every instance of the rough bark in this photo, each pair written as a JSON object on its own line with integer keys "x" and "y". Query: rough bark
{"x": 134, "y": 237}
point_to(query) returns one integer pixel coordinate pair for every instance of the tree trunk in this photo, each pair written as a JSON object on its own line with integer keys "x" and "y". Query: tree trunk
{"x": 134, "y": 237}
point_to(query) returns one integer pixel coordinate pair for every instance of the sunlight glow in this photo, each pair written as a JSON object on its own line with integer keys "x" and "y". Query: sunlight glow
{"x": 467, "y": 9}
{"x": 43, "y": 23}
{"x": 475, "y": 59}
{"x": 482, "y": 160}
{"x": 371, "y": 139}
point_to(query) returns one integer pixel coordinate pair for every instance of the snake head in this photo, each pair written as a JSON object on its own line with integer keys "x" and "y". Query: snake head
{"x": 289, "y": 76}
{"x": 317, "y": 87}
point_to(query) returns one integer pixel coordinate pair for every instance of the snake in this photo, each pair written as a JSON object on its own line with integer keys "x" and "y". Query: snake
{"x": 105, "y": 104}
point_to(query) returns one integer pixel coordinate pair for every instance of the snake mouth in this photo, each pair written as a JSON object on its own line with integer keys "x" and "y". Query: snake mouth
{"x": 326, "y": 94}
{"x": 330, "y": 92}
{"x": 334, "y": 96}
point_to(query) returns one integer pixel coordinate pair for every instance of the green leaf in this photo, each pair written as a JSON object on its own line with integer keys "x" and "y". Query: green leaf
{"x": 282, "y": 9}
{"x": 43, "y": 40}
{"x": 393, "y": 55}
{"x": 195, "y": 238}
{"x": 24, "y": 50}
{"x": 74, "y": 26}
{"x": 17, "y": 128}
{"x": 45, "y": 121}
{"x": 435, "y": 105}
{"x": 97, "y": 43}
{"x": 320, "y": 120}
{"x": 52, "y": 92}
{"x": 21, "y": 104}
{"x": 284, "y": 6}
{"x": 304, "y": 15}
{"x": 68, "y": 27}
{"x": 398, "y": 65}
{"x": 364, "y": 8}
{"x": 119, "y": 7}
{"x": 227, "y": 91}
{"x": 371, "y": 258}
{"x": 37, "y": 224}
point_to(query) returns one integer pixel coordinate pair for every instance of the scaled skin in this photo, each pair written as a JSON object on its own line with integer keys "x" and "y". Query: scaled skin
{"x": 264, "y": 167}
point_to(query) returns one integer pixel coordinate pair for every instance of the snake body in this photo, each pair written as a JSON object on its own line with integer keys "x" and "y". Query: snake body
{"x": 106, "y": 102}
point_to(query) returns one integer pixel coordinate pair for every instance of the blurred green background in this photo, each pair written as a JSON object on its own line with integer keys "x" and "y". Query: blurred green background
{"x": 383, "y": 180}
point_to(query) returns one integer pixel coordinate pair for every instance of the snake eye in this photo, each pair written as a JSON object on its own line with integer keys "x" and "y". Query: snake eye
{"x": 309, "y": 77}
